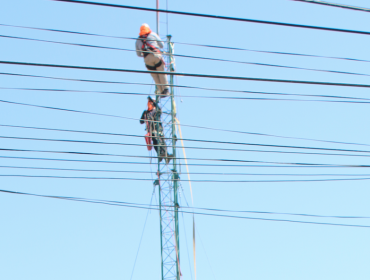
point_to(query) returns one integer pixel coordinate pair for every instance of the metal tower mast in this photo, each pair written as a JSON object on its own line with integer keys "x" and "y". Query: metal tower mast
{"x": 167, "y": 183}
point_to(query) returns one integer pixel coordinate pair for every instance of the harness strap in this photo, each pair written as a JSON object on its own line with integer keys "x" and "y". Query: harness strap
{"x": 154, "y": 68}
{"x": 147, "y": 46}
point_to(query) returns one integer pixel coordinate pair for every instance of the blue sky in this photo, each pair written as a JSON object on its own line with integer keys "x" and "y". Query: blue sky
{"x": 52, "y": 239}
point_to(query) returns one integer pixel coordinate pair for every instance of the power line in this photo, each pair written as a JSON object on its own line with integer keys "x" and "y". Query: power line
{"x": 273, "y": 52}
{"x": 182, "y": 173}
{"x": 219, "y": 17}
{"x": 189, "y": 44}
{"x": 358, "y": 100}
{"x": 181, "y": 211}
{"x": 154, "y": 157}
{"x": 188, "y": 87}
{"x": 114, "y": 202}
{"x": 199, "y": 159}
{"x": 199, "y": 148}
{"x": 193, "y": 57}
{"x": 201, "y": 181}
{"x": 184, "y": 74}
{"x": 201, "y": 127}
{"x": 186, "y": 139}
{"x": 335, "y": 5}
{"x": 66, "y": 110}
{"x": 190, "y": 164}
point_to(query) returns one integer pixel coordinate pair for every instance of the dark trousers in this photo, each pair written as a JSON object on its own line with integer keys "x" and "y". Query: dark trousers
{"x": 159, "y": 146}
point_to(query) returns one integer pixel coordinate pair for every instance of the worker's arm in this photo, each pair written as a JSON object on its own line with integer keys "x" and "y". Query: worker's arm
{"x": 143, "y": 117}
{"x": 158, "y": 39}
{"x": 139, "y": 44}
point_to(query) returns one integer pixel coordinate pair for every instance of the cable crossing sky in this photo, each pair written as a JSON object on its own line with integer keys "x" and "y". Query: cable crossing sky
{"x": 335, "y": 5}
{"x": 218, "y": 17}
{"x": 185, "y": 74}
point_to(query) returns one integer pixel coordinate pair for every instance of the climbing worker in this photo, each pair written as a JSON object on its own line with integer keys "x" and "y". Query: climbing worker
{"x": 148, "y": 45}
{"x": 154, "y": 128}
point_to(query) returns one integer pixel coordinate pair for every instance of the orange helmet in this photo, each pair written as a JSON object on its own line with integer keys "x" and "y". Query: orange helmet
{"x": 151, "y": 103}
{"x": 144, "y": 29}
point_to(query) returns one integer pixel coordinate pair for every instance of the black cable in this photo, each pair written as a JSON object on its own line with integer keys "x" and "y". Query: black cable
{"x": 190, "y": 164}
{"x": 179, "y": 180}
{"x": 199, "y": 148}
{"x": 361, "y": 100}
{"x": 184, "y": 139}
{"x": 272, "y": 52}
{"x": 189, "y": 87}
{"x": 154, "y": 157}
{"x": 182, "y": 173}
{"x": 193, "y": 57}
{"x": 189, "y": 44}
{"x": 217, "y": 210}
{"x": 219, "y": 17}
{"x": 66, "y": 110}
{"x": 190, "y": 140}
{"x": 335, "y": 5}
{"x": 200, "y": 159}
{"x": 201, "y": 127}
{"x": 180, "y": 211}
{"x": 184, "y": 74}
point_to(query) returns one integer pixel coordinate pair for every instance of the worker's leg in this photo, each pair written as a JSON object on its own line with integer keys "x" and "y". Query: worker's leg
{"x": 157, "y": 148}
{"x": 163, "y": 78}
{"x": 163, "y": 147}
{"x": 152, "y": 60}
{"x": 157, "y": 81}
{"x": 155, "y": 144}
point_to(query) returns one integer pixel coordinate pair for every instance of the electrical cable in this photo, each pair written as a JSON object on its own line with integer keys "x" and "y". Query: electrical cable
{"x": 361, "y": 9}
{"x": 192, "y": 173}
{"x": 201, "y": 127}
{"x": 184, "y": 139}
{"x": 192, "y": 164}
{"x": 66, "y": 110}
{"x": 177, "y": 158}
{"x": 201, "y": 181}
{"x": 358, "y": 100}
{"x": 189, "y": 44}
{"x": 198, "y": 148}
{"x": 180, "y": 211}
{"x": 189, "y": 87}
{"x": 217, "y": 210}
{"x": 204, "y": 148}
{"x": 190, "y": 56}
{"x": 185, "y": 74}
{"x": 219, "y": 17}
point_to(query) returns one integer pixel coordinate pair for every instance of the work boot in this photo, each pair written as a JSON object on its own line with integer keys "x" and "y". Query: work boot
{"x": 165, "y": 93}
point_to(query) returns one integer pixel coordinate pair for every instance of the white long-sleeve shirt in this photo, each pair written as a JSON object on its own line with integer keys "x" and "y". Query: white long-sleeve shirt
{"x": 152, "y": 39}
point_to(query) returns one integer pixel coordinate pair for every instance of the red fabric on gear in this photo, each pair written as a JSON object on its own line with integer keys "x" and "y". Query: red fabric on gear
{"x": 148, "y": 141}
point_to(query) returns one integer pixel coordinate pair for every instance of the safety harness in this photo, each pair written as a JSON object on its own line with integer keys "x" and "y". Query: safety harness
{"x": 146, "y": 47}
